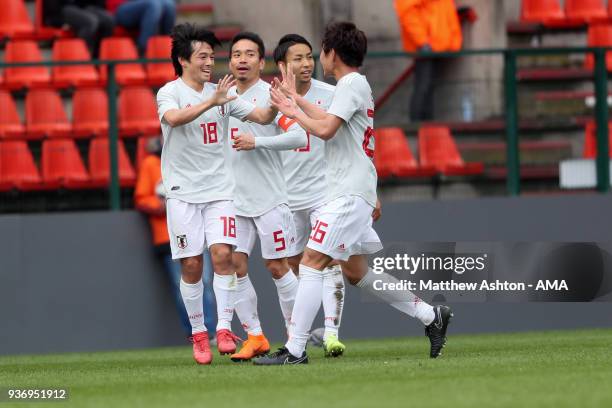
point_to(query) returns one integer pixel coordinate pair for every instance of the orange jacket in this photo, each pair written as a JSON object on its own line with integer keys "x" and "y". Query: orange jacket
{"x": 433, "y": 22}
{"x": 147, "y": 201}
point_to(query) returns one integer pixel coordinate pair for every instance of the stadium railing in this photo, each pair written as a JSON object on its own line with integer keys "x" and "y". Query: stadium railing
{"x": 510, "y": 55}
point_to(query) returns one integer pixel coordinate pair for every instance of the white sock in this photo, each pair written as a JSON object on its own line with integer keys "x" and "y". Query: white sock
{"x": 287, "y": 287}
{"x": 192, "y": 298}
{"x": 307, "y": 303}
{"x": 333, "y": 299}
{"x": 225, "y": 291}
{"x": 246, "y": 306}
{"x": 403, "y": 300}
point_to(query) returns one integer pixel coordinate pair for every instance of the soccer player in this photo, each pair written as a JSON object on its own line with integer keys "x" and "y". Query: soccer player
{"x": 199, "y": 204}
{"x": 260, "y": 197}
{"x": 343, "y": 229}
{"x": 305, "y": 175}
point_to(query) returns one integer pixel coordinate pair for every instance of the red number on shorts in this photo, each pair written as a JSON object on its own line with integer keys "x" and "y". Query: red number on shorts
{"x": 233, "y": 132}
{"x": 278, "y": 238}
{"x": 307, "y": 147}
{"x": 318, "y": 233}
{"x": 210, "y": 132}
{"x": 229, "y": 226}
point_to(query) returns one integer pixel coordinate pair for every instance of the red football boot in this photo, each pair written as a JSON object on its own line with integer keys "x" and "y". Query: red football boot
{"x": 201, "y": 348}
{"x": 226, "y": 342}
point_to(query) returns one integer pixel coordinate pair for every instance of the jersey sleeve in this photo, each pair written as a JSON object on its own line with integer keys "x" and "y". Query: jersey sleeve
{"x": 345, "y": 102}
{"x": 165, "y": 102}
{"x": 240, "y": 108}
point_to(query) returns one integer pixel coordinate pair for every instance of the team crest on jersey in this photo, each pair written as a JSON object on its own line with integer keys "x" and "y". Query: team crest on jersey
{"x": 181, "y": 241}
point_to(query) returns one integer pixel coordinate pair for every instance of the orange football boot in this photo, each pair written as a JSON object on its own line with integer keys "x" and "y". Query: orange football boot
{"x": 254, "y": 346}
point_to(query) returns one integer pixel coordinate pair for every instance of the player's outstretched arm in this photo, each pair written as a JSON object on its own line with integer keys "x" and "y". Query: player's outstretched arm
{"x": 324, "y": 128}
{"x": 179, "y": 117}
{"x": 263, "y": 116}
{"x": 293, "y": 139}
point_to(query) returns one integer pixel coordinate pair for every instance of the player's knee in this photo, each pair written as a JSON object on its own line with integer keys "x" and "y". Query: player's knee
{"x": 315, "y": 260}
{"x": 191, "y": 269}
{"x": 240, "y": 264}
{"x": 352, "y": 273}
{"x": 294, "y": 263}
{"x": 221, "y": 256}
{"x": 277, "y": 267}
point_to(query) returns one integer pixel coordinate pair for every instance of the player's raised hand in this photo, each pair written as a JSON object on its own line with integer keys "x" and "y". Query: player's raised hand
{"x": 287, "y": 85}
{"x": 220, "y": 97}
{"x": 245, "y": 141}
{"x": 281, "y": 102}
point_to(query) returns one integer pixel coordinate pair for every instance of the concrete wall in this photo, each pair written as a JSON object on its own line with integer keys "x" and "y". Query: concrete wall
{"x": 479, "y": 79}
{"x": 88, "y": 281}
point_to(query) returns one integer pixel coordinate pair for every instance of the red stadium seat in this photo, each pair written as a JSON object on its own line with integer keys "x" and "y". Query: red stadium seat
{"x": 61, "y": 165}
{"x": 599, "y": 35}
{"x": 159, "y": 73}
{"x": 10, "y": 124}
{"x": 45, "y": 115}
{"x": 89, "y": 112}
{"x": 438, "y": 149}
{"x": 25, "y": 77}
{"x": 72, "y": 49}
{"x": 541, "y": 11}
{"x": 18, "y": 168}
{"x": 585, "y": 10}
{"x": 121, "y": 48}
{"x": 99, "y": 164}
{"x": 590, "y": 140}
{"x": 138, "y": 112}
{"x": 15, "y": 21}
{"x": 393, "y": 156}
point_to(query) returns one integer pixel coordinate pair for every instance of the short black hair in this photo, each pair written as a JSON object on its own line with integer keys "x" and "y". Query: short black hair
{"x": 350, "y": 43}
{"x": 286, "y": 42}
{"x": 183, "y": 36}
{"x": 247, "y": 35}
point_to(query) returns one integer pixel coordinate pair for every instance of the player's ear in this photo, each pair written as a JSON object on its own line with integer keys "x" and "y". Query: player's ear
{"x": 183, "y": 62}
{"x": 262, "y": 64}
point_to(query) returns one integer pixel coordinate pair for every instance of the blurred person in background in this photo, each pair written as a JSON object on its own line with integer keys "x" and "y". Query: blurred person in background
{"x": 87, "y": 18}
{"x": 150, "y": 199}
{"x": 427, "y": 26}
{"x": 150, "y": 17}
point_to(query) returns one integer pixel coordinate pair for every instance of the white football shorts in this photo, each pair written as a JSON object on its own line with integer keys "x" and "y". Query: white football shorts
{"x": 193, "y": 225}
{"x": 344, "y": 228}
{"x": 275, "y": 230}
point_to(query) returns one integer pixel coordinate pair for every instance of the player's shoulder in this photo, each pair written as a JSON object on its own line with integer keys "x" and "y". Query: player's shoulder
{"x": 169, "y": 88}
{"x": 321, "y": 86}
{"x": 262, "y": 85}
{"x": 354, "y": 79}
{"x": 210, "y": 86}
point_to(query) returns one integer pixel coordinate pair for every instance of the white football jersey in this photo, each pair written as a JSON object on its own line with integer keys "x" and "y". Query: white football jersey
{"x": 193, "y": 162}
{"x": 259, "y": 181}
{"x": 305, "y": 168}
{"x": 349, "y": 154}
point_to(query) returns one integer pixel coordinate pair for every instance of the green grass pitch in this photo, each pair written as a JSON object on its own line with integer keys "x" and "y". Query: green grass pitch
{"x": 538, "y": 369}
